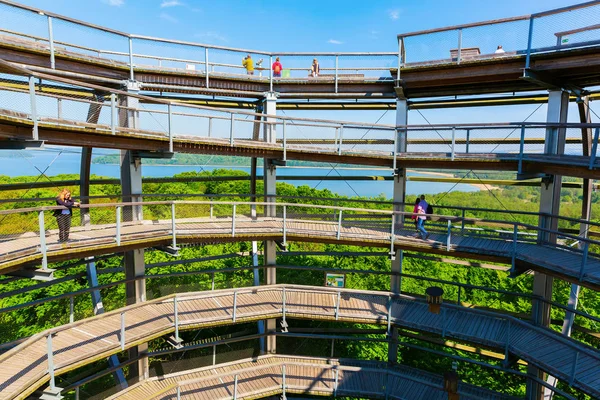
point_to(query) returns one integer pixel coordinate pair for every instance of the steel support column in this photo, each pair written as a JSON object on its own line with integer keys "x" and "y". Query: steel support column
{"x": 558, "y": 103}
{"x": 269, "y": 182}
{"x": 131, "y": 189}
{"x": 586, "y": 203}
{"x": 399, "y": 189}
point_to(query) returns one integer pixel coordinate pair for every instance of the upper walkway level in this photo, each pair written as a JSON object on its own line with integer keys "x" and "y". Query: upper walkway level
{"x": 62, "y": 349}
{"x": 560, "y": 45}
{"x": 66, "y": 112}
{"x": 124, "y": 226}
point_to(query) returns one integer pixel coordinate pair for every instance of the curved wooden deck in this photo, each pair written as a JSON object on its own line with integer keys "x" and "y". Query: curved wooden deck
{"x": 263, "y": 375}
{"x": 17, "y": 126}
{"x": 495, "y": 75}
{"x": 22, "y": 250}
{"x": 24, "y": 368}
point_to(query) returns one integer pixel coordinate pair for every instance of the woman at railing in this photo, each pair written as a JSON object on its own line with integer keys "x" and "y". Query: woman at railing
{"x": 63, "y": 217}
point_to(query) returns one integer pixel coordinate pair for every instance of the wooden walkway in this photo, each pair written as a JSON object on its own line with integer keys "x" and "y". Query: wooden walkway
{"x": 304, "y": 375}
{"x": 24, "y": 368}
{"x": 100, "y": 239}
{"x": 16, "y": 125}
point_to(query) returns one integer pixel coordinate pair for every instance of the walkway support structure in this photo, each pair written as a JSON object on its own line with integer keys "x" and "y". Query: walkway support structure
{"x": 399, "y": 199}
{"x": 270, "y": 190}
{"x": 131, "y": 189}
{"x": 558, "y": 103}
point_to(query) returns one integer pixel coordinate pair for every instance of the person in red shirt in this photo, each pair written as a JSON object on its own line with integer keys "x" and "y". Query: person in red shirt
{"x": 277, "y": 68}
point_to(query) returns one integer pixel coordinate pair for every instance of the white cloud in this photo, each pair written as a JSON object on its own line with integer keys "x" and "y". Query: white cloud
{"x": 170, "y": 3}
{"x": 115, "y": 3}
{"x": 333, "y": 41}
{"x": 211, "y": 36}
{"x": 169, "y": 18}
{"x": 374, "y": 34}
{"x": 394, "y": 14}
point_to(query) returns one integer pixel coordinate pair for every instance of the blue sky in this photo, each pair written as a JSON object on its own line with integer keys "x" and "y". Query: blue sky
{"x": 329, "y": 25}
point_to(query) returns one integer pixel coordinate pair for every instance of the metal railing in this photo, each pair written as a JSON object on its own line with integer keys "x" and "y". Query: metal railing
{"x": 114, "y": 222}
{"x": 59, "y": 35}
{"x": 63, "y": 103}
{"x": 549, "y": 31}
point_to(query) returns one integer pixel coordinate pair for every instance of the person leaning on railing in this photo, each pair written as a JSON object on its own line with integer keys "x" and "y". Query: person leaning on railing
{"x": 63, "y": 216}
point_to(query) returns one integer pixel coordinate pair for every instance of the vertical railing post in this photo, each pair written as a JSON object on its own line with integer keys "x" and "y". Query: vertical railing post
{"x": 122, "y": 331}
{"x": 211, "y": 213}
{"x": 467, "y": 141}
{"x": 118, "y": 232}
{"x": 50, "y": 356}
{"x": 231, "y": 129}
{"x": 284, "y": 225}
{"x": 462, "y": 222}
{"x": 389, "y": 316}
{"x": 209, "y": 126}
{"x": 586, "y": 246}
{"x": 32, "y": 100}
{"x": 51, "y": 40}
{"x": 395, "y": 153}
{"x": 235, "y": 387}
{"x": 332, "y": 348}
{"x": 594, "y": 148}
{"x": 284, "y": 142}
{"x": 449, "y": 236}
{"x": 335, "y": 139}
{"x": 336, "y": 73}
{"x": 233, "y": 221}
{"x": 234, "y": 305}
{"x": 176, "y": 315}
{"x": 170, "y": 125}
{"x": 339, "y": 227}
{"x": 335, "y": 385}
{"x": 59, "y": 112}
{"x": 131, "y": 75}
{"x": 458, "y": 302}
{"x": 337, "y": 305}
{"x": 214, "y": 358}
{"x": 43, "y": 247}
{"x": 113, "y": 113}
{"x": 178, "y": 392}
{"x": 521, "y": 149}
{"x": 514, "y": 248}
{"x": 400, "y": 48}
{"x": 173, "y": 227}
{"x": 574, "y": 369}
{"x": 212, "y": 284}
{"x": 453, "y": 142}
{"x": 71, "y": 309}
{"x": 529, "y": 41}
{"x": 270, "y": 73}
{"x": 458, "y": 57}
{"x": 444, "y": 322}
{"x": 392, "y": 235}
{"x": 206, "y": 64}
{"x": 283, "y": 380}
{"x": 340, "y": 141}
{"x": 507, "y": 344}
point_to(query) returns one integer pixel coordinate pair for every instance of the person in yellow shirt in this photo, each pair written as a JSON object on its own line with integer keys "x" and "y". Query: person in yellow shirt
{"x": 248, "y": 63}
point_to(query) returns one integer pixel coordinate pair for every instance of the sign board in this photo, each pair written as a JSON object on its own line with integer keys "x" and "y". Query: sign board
{"x": 334, "y": 280}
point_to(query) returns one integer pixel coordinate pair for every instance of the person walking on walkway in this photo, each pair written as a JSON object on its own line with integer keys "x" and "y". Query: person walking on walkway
{"x": 414, "y": 215}
{"x": 63, "y": 217}
{"x": 421, "y": 211}
{"x": 315, "y": 69}
{"x": 248, "y": 63}
{"x": 277, "y": 68}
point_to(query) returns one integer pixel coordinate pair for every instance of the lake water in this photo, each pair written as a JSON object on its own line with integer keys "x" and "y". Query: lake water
{"x": 68, "y": 163}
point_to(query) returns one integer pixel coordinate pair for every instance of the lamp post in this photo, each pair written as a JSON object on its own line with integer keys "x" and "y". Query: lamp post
{"x": 434, "y": 298}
